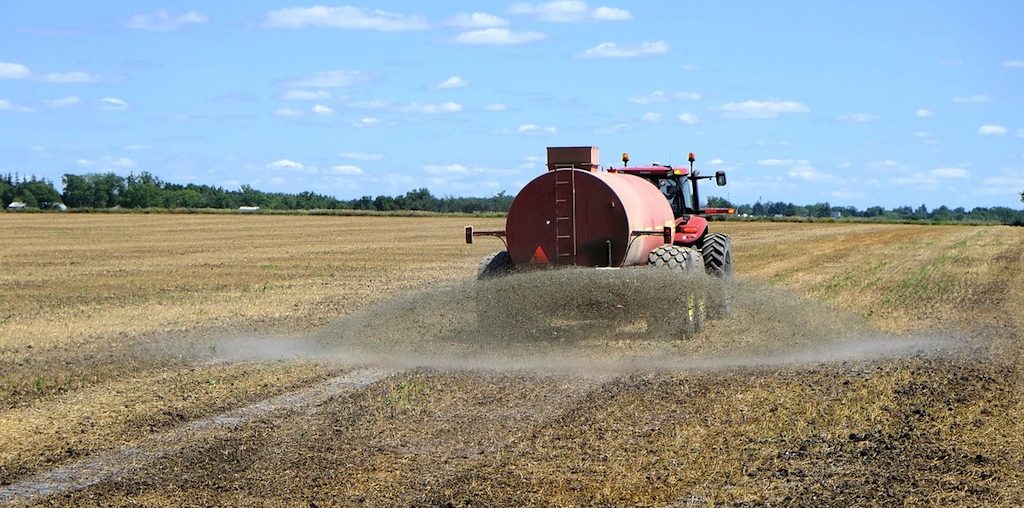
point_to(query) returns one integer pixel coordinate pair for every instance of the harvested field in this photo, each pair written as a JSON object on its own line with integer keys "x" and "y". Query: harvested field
{"x": 865, "y": 365}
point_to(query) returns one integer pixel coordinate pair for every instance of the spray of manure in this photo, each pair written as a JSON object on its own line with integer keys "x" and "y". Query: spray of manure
{"x": 596, "y": 321}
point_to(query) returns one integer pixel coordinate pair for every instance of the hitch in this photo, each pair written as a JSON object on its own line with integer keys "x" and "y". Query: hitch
{"x": 470, "y": 234}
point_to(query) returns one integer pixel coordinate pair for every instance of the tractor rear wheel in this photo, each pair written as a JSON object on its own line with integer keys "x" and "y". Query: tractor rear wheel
{"x": 717, "y": 252}
{"x": 498, "y": 264}
{"x": 689, "y": 261}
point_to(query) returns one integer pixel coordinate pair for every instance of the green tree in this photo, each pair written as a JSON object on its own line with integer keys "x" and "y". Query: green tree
{"x": 718, "y": 202}
{"x": 78, "y": 191}
{"x": 6, "y": 193}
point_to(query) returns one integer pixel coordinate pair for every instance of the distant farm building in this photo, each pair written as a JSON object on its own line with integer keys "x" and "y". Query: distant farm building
{"x": 17, "y": 205}
{"x": 248, "y": 209}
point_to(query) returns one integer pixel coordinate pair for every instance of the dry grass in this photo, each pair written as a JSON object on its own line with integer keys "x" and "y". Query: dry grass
{"x": 91, "y": 294}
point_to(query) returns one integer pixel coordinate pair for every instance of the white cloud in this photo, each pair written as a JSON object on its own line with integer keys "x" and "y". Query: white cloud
{"x": 476, "y": 20}
{"x": 1002, "y": 185}
{"x": 331, "y": 79}
{"x": 972, "y": 99}
{"x": 1013, "y": 63}
{"x": 452, "y": 82}
{"x": 346, "y": 17}
{"x": 612, "y": 129}
{"x": 847, "y": 194}
{"x": 660, "y": 96}
{"x": 347, "y": 169}
{"x": 448, "y": 169}
{"x": 992, "y": 130}
{"x": 306, "y": 95}
{"x": 70, "y": 77}
{"x": 361, "y": 156}
{"x": 63, "y": 102}
{"x": 808, "y": 173}
{"x": 687, "y": 118}
{"x": 285, "y": 164}
{"x": 776, "y": 162}
{"x": 613, "y": 50}
{"x": 921, "y": 134}
{"x": 651, "y": 117}
{"x": 857, "y": 118}
{"x": 6, "y": 105}
{"x": 716, "y": 162}
{"x": 113, "y": 104}
{"x": 498, "y": 37}
{"x": 366, "y": 122}
{"x": 430, "y": 109}
{"x": 10, "y": 70}
{"x": 84, "y": 163}
{"x": 368, "y": 105}
{"x": 948, "y": 173}
{"x": 322, "y": 110}
{"x": 798, "y": 169}
{"x": 611, "y": 14}
{"x": 531, "y": 129}
{"x": 655, "y": 96}
{"x": 287, "y": 112}
{"x": 569, "y": 11}
{"x": 923, "y": 113}
{"x": 762, "y": 109}
{"x": 162, "y": 21}
{"x": 929, "y": 178}
{"x": 119, "y": 162}
{"x": 497, "y": 106}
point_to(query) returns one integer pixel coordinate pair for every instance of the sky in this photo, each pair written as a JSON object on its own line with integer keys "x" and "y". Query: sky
{"x": 853, "y": 103}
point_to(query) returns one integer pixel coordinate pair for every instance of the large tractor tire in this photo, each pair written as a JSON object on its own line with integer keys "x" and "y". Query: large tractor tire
{"x": 693, "y": 303}
{"x": 676, "y": 258}
{"x": 717, "y": 253}
{"x": 498, "y": 264}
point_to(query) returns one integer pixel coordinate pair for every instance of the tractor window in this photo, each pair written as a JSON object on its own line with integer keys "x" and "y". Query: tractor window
{"x": 685, "y": 197}
{"x": 677, "y": 195}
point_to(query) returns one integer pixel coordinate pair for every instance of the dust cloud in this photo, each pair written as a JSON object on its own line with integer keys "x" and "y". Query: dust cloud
{"x": 591, "y": 321}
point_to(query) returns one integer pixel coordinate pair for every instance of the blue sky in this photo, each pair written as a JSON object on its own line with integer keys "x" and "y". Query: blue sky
{"x": 855, "y": 103}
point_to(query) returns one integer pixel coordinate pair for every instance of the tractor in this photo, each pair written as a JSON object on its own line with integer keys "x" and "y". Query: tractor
{"x": 579, "y": 214}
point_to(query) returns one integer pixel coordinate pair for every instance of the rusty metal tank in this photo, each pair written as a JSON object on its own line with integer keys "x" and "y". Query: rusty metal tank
{"x": 585, "y": 217}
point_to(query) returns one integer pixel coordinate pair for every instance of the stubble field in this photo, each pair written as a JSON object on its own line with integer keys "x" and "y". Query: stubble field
{"x": 115, "y": 387}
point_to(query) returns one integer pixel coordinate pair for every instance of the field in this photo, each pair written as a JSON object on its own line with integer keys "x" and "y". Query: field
{"x": 116, "y": 386}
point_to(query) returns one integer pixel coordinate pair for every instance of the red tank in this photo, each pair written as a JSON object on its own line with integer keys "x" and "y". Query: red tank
{"x": 586, "y": 218}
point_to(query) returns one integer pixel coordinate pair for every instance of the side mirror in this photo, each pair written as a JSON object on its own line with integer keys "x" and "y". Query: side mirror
{"x": 720, "y": 178}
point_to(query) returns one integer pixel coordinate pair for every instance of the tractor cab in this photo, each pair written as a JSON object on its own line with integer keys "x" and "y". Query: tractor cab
{"x": 678, "y": 185}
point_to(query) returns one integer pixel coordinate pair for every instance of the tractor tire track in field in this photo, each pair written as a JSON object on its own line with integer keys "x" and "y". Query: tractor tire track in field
{"x": 369, "y": 446}
{"x": 135, "y": 458}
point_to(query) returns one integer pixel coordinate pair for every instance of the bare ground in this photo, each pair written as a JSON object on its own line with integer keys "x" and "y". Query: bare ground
{"x": 924, "y": 429}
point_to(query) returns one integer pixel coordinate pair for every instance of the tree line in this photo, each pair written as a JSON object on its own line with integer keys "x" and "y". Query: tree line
{"x": 1000, "y": 214}
{"x": 109, "y": 190}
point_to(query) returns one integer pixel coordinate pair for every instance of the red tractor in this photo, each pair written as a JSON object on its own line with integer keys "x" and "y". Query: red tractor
{"x": 578, "y": 215}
